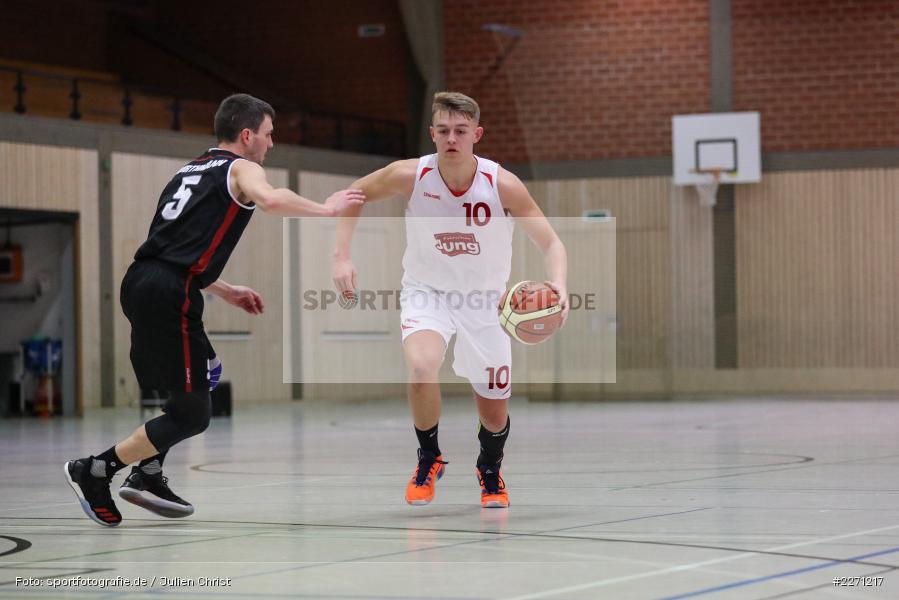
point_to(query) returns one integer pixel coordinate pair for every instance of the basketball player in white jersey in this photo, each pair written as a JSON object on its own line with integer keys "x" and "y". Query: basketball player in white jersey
{"x": 456, "y": 267}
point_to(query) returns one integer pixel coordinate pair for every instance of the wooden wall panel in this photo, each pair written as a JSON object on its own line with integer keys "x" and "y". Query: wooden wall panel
{"x": 42, "y": 177}
{"x": 816, "y": 277}
{"x": 64, "y": 179}
{"x": 692, "y": 282}
{"x": 817, "y": 270}
{"x": 350, "y": 353}
{"x": 641, "y": 210}
{"x": 88, "y": 280}
{"x": 586, "y": 349}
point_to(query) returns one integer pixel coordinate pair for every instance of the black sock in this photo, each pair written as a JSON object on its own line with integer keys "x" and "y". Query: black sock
{"x": 492, "y": 444}
{"x": 153, "y": 465}
{"x": 107, "y": 464}
{"x": 427, "y": 440}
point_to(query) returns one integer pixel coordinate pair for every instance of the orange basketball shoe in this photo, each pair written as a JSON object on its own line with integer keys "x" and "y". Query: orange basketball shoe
{"x": 493, "y": 488}
{"x": 430, "y": 468}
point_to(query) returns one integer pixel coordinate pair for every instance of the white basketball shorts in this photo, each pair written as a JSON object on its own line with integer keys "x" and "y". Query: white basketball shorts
{"x": 483, "y": 352}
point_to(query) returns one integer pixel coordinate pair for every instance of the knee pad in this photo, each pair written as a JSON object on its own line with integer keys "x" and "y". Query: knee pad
{"x": 190, "y": 410}
{"x": 186, "y": 414}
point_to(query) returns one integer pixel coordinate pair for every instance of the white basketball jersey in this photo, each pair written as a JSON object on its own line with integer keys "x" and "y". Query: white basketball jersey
{"x": 459, "y": 242}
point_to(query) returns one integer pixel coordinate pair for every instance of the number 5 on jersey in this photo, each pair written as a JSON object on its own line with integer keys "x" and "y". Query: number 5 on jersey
{"x": 173, "y": 209}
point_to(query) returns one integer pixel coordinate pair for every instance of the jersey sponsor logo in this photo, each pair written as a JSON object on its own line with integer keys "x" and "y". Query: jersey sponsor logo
{"x": 434, "y": 196}
{"x": 211, "y": 164}
{"x": 454, "y": 244}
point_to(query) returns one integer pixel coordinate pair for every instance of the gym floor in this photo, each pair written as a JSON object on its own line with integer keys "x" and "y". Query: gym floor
{"x": 749, "y": 498}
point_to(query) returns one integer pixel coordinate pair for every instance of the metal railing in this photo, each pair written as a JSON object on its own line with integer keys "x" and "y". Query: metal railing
{"x": 295, "y": 125}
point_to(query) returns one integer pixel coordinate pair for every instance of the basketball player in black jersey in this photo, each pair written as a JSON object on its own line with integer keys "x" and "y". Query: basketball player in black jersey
{"x": 198, "y": 222}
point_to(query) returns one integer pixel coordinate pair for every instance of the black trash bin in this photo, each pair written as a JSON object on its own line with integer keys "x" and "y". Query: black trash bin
{"x": 221, "y": 399}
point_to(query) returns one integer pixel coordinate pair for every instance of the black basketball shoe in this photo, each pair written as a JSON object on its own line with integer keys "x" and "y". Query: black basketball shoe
{"x": 151, "y": 491}
{"x": 93, "y": 492}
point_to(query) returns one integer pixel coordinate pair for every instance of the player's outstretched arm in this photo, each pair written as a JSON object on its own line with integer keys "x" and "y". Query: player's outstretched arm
{"x": 249, "y": 184}
{"x": 518, "y": 200}
{"x": 396, "y": 179}
{"x": 240, "y": 296}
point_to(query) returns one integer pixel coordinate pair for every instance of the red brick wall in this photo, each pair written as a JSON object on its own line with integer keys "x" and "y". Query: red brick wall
{"x": 823, "y": 73}
{"x": 588, "y": 80}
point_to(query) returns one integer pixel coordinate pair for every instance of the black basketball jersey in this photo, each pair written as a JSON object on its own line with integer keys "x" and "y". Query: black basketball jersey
{"x": 198, "y": 221}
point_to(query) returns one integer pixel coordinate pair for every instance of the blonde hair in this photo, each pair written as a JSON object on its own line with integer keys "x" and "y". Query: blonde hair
{"x": 455, "y": 102}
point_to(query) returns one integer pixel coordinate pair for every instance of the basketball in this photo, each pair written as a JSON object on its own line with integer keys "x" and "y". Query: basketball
{"x": 529, "y": 312}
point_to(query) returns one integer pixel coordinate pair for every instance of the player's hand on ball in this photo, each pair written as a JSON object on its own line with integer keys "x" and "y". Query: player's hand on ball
{"x": 245, "y": 298}
{"x": 342, "y": 200}
{"x": 562, "y": 292}
{"x": 343, "y": 273}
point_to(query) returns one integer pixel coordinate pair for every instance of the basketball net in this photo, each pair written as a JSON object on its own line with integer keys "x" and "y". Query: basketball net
{"x": 708, "y": 190}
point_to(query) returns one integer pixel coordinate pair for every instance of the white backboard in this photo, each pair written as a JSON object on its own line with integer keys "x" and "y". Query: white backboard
{"x": 727, "y": 141}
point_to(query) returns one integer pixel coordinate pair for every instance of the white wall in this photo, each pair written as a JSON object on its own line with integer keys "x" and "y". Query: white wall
{"x": 42, "y": 250}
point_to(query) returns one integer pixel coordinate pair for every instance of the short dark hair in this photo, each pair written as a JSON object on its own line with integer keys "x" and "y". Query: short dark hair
{"x": 238, "y": 112}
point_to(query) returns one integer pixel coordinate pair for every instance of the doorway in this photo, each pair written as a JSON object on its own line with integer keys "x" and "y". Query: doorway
{"x": 38, "y": 335}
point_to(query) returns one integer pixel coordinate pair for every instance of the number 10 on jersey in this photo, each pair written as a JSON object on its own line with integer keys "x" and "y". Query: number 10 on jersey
{"x": 479, "y": 213}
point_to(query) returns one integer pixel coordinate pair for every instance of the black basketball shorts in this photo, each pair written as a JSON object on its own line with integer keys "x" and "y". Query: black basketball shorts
{"x": 169, "y": 347}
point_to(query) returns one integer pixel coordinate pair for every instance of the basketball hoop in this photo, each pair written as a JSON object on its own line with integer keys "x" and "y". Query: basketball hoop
{"x": 714, "y": 148}
{"x": 708, "y": 190}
